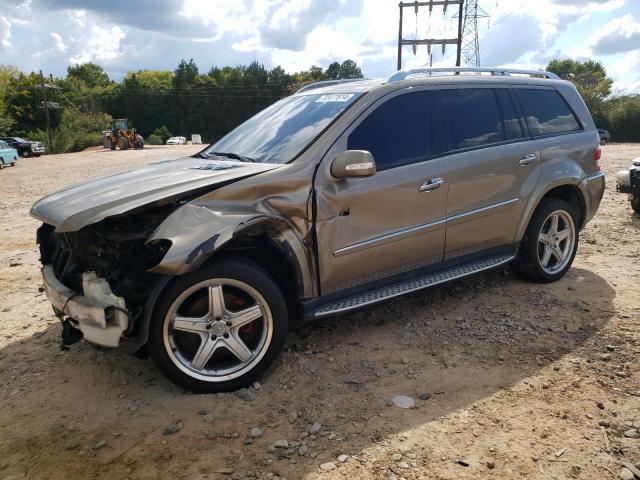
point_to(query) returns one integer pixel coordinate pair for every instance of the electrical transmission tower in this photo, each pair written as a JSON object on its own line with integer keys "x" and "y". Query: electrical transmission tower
{"x": 470, "y": 43}
{"x": 430, "y": 42}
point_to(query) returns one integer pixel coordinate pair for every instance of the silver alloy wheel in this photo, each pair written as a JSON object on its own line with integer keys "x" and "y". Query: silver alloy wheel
{"x": 556, "y": 241}
{"x": 221, "y": 354}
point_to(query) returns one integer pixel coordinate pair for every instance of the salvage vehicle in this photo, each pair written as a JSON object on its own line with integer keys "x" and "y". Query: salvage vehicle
{"x": 8, "y": 155}
{"x": 25, "y": 148}
{"x": 605, "y": 136}
{"x": 628, "y": 182}
{"x": 332, "y": 199}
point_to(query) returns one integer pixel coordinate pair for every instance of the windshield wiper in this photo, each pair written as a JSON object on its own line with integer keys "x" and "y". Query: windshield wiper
{"x": 201, "y": 155}
{"x": 234, "y": 156}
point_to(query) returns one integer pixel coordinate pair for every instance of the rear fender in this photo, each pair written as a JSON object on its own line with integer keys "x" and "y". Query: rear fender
{"x": 539, "y": 194}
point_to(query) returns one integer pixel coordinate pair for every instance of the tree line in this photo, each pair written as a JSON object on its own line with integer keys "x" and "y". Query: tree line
{"x": 162, "y": 103}
{"x": 158, "y": 103}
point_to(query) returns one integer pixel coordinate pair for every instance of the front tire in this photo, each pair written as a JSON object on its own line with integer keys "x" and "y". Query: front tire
{"x": 219, "y": 328}
{"x": 550, "y": 242}
{"x": 123, "y": 143}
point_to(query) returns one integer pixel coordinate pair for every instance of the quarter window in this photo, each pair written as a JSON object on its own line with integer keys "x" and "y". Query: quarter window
{"x": 546, "y": 112}
{"x": 398, "y": 132}
{"x": 479, "y": 116}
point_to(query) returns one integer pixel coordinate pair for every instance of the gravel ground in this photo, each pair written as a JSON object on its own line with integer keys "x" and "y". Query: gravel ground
{"x": 510, "y": 379}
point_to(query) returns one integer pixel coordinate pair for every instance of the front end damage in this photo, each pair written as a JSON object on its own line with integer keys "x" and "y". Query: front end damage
{"x": 97, "y": 278}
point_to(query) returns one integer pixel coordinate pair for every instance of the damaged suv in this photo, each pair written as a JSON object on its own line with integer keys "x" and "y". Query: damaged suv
{"x": 335, "y": 198}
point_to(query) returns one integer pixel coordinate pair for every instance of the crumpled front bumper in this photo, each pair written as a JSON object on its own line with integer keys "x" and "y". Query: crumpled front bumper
{"x": 98, "y": 314}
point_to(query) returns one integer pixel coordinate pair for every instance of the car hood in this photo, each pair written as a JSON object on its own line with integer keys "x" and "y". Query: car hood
{"x": 89, "y": 202}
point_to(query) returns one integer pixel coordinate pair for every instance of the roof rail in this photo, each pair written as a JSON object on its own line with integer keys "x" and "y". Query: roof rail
{"x": 502, "y": 72}
{"x": 328, "y": 83}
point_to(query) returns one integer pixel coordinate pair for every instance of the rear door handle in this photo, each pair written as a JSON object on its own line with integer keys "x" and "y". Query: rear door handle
{"x": 431, "y": 184}
{"x": 527, "y": 159}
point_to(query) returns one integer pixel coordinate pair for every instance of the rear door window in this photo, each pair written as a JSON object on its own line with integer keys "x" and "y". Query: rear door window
{"x": 398, "y": 132}
{"x": 479, "y": 116}
{"x": 546, "y": 112}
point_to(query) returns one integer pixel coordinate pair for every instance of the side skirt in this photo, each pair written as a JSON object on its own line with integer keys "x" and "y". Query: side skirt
{"x": 321, "y": 309}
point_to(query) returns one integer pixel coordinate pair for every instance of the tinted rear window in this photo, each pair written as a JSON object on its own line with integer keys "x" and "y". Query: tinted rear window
{"x": 479, "y": 117}
{"x": 546, "y": 112}
{"x": 398, "y": 132}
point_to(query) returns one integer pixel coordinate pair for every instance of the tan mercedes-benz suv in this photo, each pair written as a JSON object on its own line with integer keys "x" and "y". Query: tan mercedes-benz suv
{"x": 335, "y": 198}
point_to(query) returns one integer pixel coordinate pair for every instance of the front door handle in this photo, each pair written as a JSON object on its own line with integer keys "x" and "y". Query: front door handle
{"x": 431, "y": 184}
{"x": 527, "y": 159}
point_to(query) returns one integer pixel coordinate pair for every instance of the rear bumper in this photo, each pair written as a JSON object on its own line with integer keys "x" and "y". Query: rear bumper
{"x": 595, "y": 186}
{"x": 101, "y": 321}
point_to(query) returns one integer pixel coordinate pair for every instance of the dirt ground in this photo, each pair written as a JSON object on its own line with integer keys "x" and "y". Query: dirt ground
{"x": 511, "y": 379}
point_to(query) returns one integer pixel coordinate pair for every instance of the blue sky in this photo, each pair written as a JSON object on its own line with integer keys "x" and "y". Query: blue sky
{"x": 148, "y": 34}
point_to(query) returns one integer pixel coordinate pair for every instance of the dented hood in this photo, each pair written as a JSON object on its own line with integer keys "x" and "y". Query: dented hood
{"x": 89, "y": 202}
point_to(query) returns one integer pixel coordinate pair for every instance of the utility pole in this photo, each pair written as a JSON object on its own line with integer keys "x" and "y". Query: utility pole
{"x": 431, "y": 41}
{"x": 470, "y": 43}
{"x": 46, "y": 110}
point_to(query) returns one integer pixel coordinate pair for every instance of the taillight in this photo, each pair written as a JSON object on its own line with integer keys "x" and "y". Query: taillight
{"x": 596, "y": 157}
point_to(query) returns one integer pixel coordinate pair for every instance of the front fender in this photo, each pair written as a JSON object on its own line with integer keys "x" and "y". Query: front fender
{"x": 196, "y": 232}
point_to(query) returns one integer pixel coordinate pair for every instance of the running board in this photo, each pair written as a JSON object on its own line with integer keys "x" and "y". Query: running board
{"x": 402, "y": 288}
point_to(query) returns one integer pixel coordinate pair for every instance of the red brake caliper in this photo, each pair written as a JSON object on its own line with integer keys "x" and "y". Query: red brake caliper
{"x": 249, "y": 329}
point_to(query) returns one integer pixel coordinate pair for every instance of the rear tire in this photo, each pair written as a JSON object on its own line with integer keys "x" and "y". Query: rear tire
{"x": 219, "y": 328}
{"x": 547, "y": 252}
{"x": 635, "y": 202}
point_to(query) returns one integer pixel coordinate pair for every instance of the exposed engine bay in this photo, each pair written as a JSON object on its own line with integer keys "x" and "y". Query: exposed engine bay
{"x": 115, "y": 249}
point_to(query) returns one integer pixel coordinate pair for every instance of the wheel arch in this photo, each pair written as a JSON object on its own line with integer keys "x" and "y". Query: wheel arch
{"x": 267, "y": 241}
{"x": 193, "y": 243}
{"x": 568, "y": 190}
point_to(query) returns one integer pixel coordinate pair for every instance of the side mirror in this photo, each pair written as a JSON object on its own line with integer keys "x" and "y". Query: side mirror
{"x": 353, "y": 163}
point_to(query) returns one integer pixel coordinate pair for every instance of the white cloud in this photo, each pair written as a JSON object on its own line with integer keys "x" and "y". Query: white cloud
{"x": 619, "y": 35}
{"x": 59, "y": 43}
{"x": 48, "y": 34}
{"x": 103, "y": 45}
{"x": 5, "y": 34}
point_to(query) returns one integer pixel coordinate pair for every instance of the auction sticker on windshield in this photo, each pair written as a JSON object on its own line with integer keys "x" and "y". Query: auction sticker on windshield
{"x": 335, "y": 97}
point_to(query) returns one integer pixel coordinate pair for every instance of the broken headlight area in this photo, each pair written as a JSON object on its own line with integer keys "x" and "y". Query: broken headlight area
{"x": 116, "y": 249}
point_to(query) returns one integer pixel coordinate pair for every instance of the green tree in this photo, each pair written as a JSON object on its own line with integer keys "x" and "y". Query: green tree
{"x": 6, "y": 120}
{"x": 186, "y": 74}
{"x": 349, "y": 69}
{"x": 591, "y": 80}
{"x": 333, "y": 71}
{"x": 90, "y": 74}
{"x": 623, "y": 114}
{"x": 163, "y": 133}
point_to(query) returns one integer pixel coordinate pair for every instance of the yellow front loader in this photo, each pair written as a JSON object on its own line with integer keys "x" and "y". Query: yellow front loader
{"x": 124, "y": 137}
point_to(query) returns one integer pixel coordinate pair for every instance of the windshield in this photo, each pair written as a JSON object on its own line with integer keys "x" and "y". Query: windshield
{"x": 280, "y": 132}
{"x": 18, "y": 139}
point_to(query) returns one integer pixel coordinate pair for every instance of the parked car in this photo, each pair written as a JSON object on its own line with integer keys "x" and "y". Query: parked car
{"x": 8, "y": 155}
{"x": 330, "y": 200}
{"x": 628, "y": 182}
{"x": 605, "y": 136}
{"x": 25, "y": 148}
{"x": 177, "y": 141}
